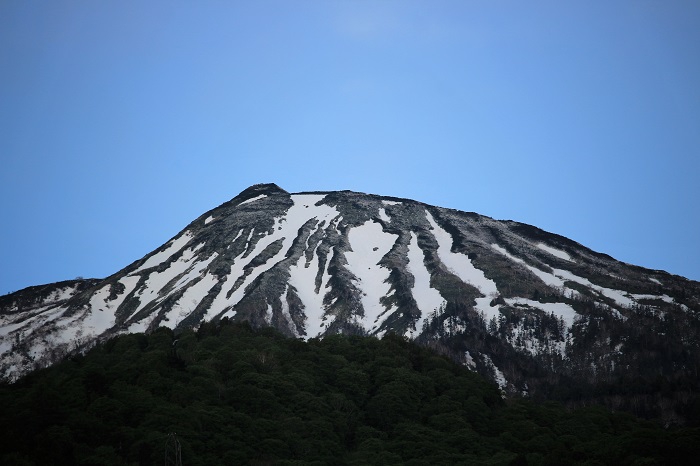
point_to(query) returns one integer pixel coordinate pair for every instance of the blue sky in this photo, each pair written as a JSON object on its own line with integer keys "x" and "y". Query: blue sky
{"x": 122, "y": 121}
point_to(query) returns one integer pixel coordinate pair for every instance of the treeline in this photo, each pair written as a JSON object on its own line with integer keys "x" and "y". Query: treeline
{"x": 232, "y": 395}
{"x": 644, "y": 360}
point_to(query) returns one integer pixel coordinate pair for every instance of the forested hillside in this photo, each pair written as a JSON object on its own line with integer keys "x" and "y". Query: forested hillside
{"x": 231, "y": 395}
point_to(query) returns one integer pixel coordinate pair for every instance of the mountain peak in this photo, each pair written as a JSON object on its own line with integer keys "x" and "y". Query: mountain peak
{"x": 260, "y": 189}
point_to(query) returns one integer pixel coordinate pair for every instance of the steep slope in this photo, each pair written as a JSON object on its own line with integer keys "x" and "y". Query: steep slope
{"x": 535, "y": 311}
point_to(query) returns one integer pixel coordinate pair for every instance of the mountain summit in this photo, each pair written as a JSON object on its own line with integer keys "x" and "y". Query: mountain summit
{"x": 538, "y": 313}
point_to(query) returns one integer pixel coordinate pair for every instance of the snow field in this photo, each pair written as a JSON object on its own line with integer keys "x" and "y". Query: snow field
{"x": 462, "y": 266}
{"x": 561, "y": 310}
{"x": 220, "y": 302}
{"x": 559, "y": 276}
{"x": 195, "y": 271}
{"x": 9, "y": 323}
{"x": 548, "y": 278}
{"x": 190, "y": 299}
{"x": 129, "y": 283}
{"x": 299, "y": 213}
{"x": 428, "y": 299}
{"x": 99, "y": 317}
{"x": 157, "y": 280}
{"x": 162, "y": 256}
{"x": 369, "y": 245}
{"x": 61, "y": 294}
{"x": 620, "y": 297}
{"x": 303, "y": 279}
{"x": 555, "y": 252}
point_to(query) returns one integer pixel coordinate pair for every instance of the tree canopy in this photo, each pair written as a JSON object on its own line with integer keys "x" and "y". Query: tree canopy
{"x": 233, "y": 395}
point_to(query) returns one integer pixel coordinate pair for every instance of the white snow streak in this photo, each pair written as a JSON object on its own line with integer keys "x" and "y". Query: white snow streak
{"x": 561, "y": 310}
{"x": 548, "y": 278}
{"x": 62, "y": 294}
{"x": 469, "y": 360}
{"x": 555, "y": 252}
{"x": 190, "y": 299}
{"x": 157, "y": 280}
{"x": 208, "y": 219}
{"x": 383, "y": 215}
{"x": 665, "y": 298}
{"x": 560, "y": 276}
{"x": 462, "y": 266}
{"x": 298, "y": 214}
{"x": 129, "y": 283}
{"x": 427, "y": 298}
{"x": 195, "y": 271}
{"x": 500, "y": 378}
{"x": 369, "y": 244}
{"x": 616, "y": 295}
{"x": 287, "y": 315}
{"x": 160, "y": 257}
{"x": 303, "y": 278}
{"x": 100, "y": 320}
{"x": 252, "y": 199}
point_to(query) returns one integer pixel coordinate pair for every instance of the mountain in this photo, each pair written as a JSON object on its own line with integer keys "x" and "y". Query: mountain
{"x": 540, "y": 314}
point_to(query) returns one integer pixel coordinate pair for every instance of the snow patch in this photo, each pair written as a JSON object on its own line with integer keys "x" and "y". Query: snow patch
{"x": 302, "y": 209}
{"x": 62, "y": 294}
{"x": 664, "y": 297}
{"x": 462, "y": 266}
{"x": 160, "y": 257}
{"x": 620, "y": 297}
{"x": 208, "y": 219}
{"x": 190, "y": 299}
{"x": 560, "y": 276}
{"x": 555, "y": 252}
{"x": 302, "y": 277}
{"x": 560, "y": 310}
{"x": 268, "y": 314}
{"x": 95, "y": 320}
{"x": 384, "y": 216}
{"x": 252, "y": 199}
{"x": 370, "y": 243}
{"x": 498, "y": 375}
{"x": 287, "y": 315}
{"x": 195, "y": 271}
{"x": 469, "y": 362}
{"x": 157, "y": 280}
{"x": 548, "y": 278}
{"x": 427, "y": 298}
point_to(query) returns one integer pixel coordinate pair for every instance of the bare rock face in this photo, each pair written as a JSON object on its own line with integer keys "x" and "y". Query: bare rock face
{"x": 538, "y": 313}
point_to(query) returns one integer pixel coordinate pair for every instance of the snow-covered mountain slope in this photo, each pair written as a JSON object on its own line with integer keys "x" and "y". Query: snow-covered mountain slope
{"x": 505, "y": 298}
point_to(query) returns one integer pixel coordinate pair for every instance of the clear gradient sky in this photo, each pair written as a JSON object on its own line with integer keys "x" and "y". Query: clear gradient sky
{"x": 122, "y": 121}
